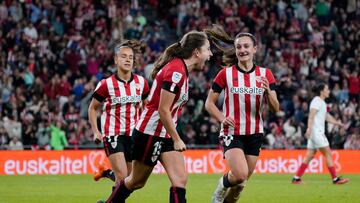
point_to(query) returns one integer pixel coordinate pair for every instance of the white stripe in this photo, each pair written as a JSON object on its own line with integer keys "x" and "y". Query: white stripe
{"x": 152, "y": 123}
{"x": 141, "y": 119}
{"x": 229, "y": 80}
{"x": 122, "y": 109}
{"x": 153, "y": 88}
{"x": 133, "y": 109}
{"x": 242, "y": 104}
{"x": 252, "y": 103}
{"x": 261, "y": 125}
{"x": 112, "y": 110}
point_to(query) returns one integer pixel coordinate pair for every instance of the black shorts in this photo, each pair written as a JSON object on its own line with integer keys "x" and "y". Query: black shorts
{"x": 147, "y": 148}
{"x": 250, "y": 144}
{"x": 115, "y": 144}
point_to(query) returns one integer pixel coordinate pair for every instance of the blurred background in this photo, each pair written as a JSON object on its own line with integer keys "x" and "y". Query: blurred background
{"x": 53, "y": 53}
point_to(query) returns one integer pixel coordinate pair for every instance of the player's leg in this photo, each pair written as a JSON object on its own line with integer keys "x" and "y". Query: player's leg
{"x": 118, "y": 165}
{"x": 174, "y": 165}
{"x": 238, "y": 173}
{"x": 326, "y": 151}
{"x": 310, "y": 153}
{"x": 146, "y": 151}
{"x": 136, "y": 180}
{"x": 233, "y": 194}
{"x": 252, "y": 146}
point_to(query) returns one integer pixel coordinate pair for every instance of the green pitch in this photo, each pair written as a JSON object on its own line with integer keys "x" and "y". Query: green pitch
{"x": 261, "y": 188}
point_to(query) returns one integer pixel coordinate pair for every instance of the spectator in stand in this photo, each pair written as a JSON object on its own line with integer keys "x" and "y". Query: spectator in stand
{"x": 15, "y": 144}
{"x": 58, "y": 139}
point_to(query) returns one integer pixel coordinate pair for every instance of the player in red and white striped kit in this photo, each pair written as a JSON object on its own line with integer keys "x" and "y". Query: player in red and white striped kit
{"x": 120, "y": 96}
{"x": 155, "y": 136}
{"x": 246, "y": 86}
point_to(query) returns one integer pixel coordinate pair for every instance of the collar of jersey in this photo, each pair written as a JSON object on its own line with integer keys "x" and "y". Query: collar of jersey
{"x": 241, "y": 70}
{"x": 123, "y": 81}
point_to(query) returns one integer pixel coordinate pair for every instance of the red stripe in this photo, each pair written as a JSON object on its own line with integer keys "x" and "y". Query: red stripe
{"x": 158, "y": 128}
{"x": 144, "y": 122}
{"x": 235, "y": 81}
{"x": 147, "y": 148}
{"x": 257, "y": 113}
{"x": 227, "y": 93}
{"x": 128, "y": 111}
{"x": 247, "y": 105}
{"x": 106, "y": 146}
{"x": 107, "y": 118}
{"x": 118, "y": 106}
{"x": 105, "y": 126}
{"x": 137, "y": 105}
{"x": 176, "y": 197}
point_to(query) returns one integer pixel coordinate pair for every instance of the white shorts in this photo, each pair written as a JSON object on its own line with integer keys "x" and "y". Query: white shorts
{"x": 317, "y": 141}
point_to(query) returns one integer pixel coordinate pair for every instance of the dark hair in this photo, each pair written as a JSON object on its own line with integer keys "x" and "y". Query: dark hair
{"x": 182, "y": 49}
{"x": 318, "y": 88}
{"x": 220, "y": 39}
{"x": 137, "y": 46}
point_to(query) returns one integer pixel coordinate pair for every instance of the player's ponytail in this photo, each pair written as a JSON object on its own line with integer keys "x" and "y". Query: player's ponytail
{"x": 223, "y": 42}
{"x": 182, "y": 49}
{"x": 318, "y": 88}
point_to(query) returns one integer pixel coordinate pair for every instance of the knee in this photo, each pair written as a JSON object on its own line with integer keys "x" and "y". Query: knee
{"x": 180, "y": 181}
{"x": 240, "y": 177}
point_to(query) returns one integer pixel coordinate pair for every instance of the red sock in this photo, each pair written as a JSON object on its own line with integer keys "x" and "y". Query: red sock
{"x": 301, "y": 170}
{"x": 332, "y": 172}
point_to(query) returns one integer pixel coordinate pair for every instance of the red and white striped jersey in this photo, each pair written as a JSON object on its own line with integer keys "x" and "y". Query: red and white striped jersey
{"x": 172, "y": 77}
{"x": 121, "y": 107}
{"x": 243, "y": 98}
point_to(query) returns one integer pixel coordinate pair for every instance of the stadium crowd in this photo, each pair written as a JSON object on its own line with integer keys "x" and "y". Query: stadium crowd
{"x": 52, "y": 54}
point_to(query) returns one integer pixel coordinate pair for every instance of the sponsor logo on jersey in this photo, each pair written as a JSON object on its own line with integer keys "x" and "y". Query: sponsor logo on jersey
{"x": 126, "y": 99}
{"x": 247, "y": 90}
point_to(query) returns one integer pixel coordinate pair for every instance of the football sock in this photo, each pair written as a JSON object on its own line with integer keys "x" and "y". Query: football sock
{"x": 177, "y": 195}
{"x": 119, "y": 194}
{"x": 226, "y": 181}
{"x": 301, "y": 170}
{"x": 332, "y": 172}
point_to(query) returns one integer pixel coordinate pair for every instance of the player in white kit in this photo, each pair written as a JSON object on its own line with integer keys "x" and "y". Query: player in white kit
{"x": 315, "y": 134}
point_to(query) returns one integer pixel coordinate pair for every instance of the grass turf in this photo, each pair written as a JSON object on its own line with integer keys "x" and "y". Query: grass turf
{"x": 261, "y": 188}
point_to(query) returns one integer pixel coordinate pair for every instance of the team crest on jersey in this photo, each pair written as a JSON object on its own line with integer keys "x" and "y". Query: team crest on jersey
{"x": 176, "y": 77}
{"x": 227, "y": 140}
{"x": 113, "y": 145}
{"x": 137, "y": 87}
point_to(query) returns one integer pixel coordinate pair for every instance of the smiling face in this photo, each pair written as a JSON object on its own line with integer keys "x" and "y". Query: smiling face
{"x": 203, "y": 54}
{"x": 245, "y": 49}
{"x": 124, "y": 59}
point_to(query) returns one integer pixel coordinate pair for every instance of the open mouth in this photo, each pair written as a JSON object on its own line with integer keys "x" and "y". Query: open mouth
{"x": 243, "y": 54}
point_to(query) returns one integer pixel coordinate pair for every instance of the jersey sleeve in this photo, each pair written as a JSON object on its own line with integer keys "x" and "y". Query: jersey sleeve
{"x": 146, "y": 90}
{"x": 101, "y": 91}
{"x": 219, "y": 82}
{"x": 315, "y": 104}
{"x": 270, "y": 77}
{"x": 173, "y": 79}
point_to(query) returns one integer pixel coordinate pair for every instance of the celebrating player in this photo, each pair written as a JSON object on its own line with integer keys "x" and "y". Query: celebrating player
{"x": 246, "y": 85}
{"x": 155, "y": 136}
{"x": 120, "y": 96}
